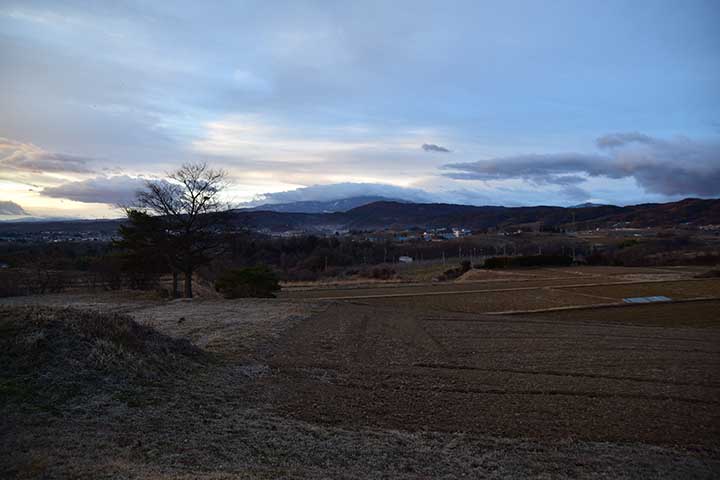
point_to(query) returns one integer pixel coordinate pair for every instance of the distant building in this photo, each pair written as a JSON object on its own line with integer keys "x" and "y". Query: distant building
{"x": 461, "y": 232}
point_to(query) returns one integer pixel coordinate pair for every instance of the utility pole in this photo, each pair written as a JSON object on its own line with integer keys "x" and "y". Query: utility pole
{"x": 574, "y": 226}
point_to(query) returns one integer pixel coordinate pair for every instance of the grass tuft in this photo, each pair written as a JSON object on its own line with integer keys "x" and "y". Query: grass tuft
{"x": 51, "y": 356}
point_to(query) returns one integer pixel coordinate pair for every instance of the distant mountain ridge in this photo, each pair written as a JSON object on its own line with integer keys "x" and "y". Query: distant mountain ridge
{"x": 397, "y": 215}
{"x": 322, "y": 206}
{"x": 384, "y": 214}
{"x": 588, "y": 205}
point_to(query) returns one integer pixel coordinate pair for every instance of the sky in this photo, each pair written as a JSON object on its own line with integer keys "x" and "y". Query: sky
{"x": 477, "y": 102}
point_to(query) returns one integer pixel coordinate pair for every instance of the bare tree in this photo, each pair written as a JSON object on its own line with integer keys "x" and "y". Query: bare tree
{"x": 192, "y": 216}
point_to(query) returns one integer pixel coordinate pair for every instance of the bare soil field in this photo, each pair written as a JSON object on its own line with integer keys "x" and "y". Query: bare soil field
{"x": 415, "y": 386}
{"x": 701, "y": 314}
{"x": 489, "y": 301}
{"x": 518, "y": 295}
{"x": 506, "y": 376}
{"x": 682, "y": 289}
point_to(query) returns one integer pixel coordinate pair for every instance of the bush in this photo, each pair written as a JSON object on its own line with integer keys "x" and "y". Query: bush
{"x": 257, "y": 281}
{"x": 454, "y": 273}
{"x": 379, "y": 273}
{"x": 33, "y": 280}
{"x": 628, "y": 243}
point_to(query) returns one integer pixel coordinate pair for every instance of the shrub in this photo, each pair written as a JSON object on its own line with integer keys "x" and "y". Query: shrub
{"x": 628, "y": 243}
{"x": 454, "y": 273}
{"x": 257, "y": 281}
{"x": 382, "y": 272}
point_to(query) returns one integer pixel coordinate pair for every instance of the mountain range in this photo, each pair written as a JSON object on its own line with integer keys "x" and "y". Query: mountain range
{"x": 384, "y": 214}
{"x": 402, "y": 215}
{"x": 329, "y": 206}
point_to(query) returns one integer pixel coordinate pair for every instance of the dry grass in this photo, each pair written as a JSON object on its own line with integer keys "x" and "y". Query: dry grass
{"x": 424, "y": 271}
{"x": 478, "y": 275}
{"x": 50, "y": 356}
{"x": 331, "y": 282}
{"x": 300, "y": 389}
{"x": 229, "y": 327}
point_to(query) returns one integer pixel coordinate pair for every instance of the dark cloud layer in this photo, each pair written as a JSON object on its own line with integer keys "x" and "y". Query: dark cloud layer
{"x": 11, "y": 208}
{"x": 431, "y": 147}
{"x": 121, "y": 190}
{"x": 612, "y": 140}
{"x": 118, "y": 190}
{"x": 339, "y": 191}
{"x": 28, "y": 157}
{"x": 146, "y": 86}
{"x": 669, "y": 167}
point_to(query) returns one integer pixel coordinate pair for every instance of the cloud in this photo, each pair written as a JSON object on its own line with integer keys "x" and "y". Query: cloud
{"x": 431, "y": 147}
{"x": 249, "y": 81}
{"x": 612, "y": 140}
{"x": 668, "y": 167}
{"x": 28, "y": 157}
{"x": 117, "y": 190}
{"x": 573, "y": 192}
{"x": 146, "y": 89}
{"x": 339, "y": 191}
{"x": 11, "y": 208}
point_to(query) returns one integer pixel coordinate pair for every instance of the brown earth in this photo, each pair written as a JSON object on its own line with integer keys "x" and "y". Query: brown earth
{"x": 700, "y": 314}
{"x": 418, "y": 386}
{"x": 371, "y": 366}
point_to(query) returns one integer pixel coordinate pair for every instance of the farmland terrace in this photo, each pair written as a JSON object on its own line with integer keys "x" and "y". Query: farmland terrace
{"x": 528, "y": 373}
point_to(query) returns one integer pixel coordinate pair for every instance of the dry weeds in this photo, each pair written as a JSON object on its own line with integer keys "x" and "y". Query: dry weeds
{"x": 305, "y": 389}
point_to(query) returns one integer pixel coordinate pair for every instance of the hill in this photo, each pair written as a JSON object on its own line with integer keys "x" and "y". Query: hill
{"x": 385, "y": 214}
{"x": 331, "y": 206}
{"x": 392, "y": 214}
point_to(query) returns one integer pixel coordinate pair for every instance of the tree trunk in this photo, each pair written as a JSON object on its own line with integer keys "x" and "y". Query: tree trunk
{"x": 175, "y": 293}
{"x": 188, "y": 284}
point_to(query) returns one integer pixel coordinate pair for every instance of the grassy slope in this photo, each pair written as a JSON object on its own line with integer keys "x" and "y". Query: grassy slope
{"x": 88, "y": 395}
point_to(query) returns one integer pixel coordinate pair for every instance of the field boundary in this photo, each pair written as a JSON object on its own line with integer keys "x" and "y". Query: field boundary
{"x": 499, "y": 290}
{"x": 597, "y": 306}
